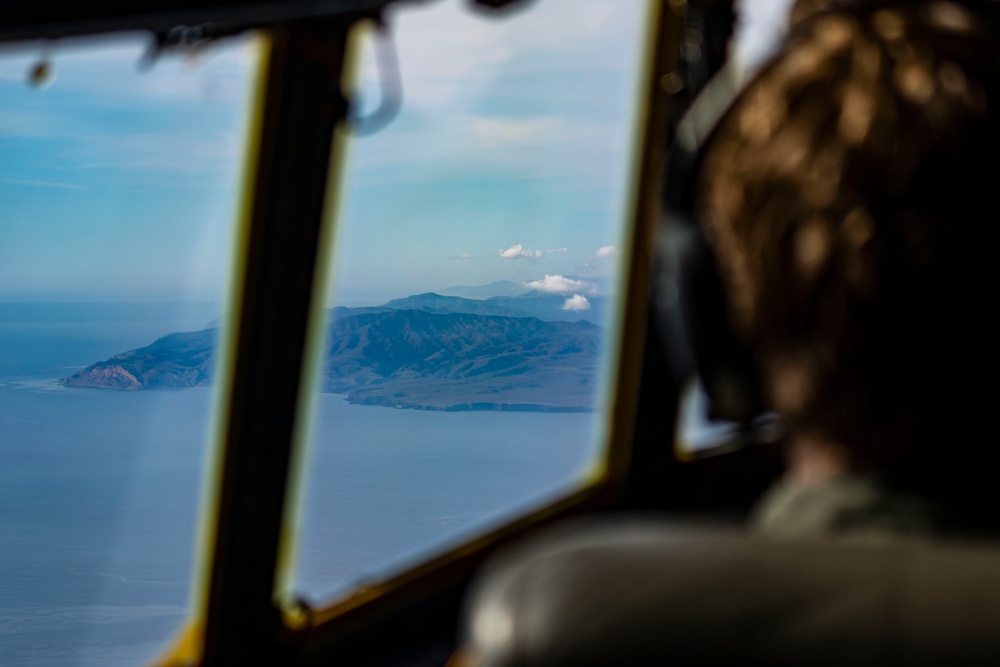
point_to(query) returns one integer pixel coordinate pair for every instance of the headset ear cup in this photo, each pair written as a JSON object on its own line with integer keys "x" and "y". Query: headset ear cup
{"x": 692, "y": 313}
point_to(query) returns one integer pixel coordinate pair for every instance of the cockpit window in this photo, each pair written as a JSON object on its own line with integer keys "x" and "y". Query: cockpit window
{"x": 461, "y": 369}
{"x": 119, "y": 180}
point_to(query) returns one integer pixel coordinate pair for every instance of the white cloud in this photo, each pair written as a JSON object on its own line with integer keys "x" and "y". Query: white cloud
{"x": 462, "y": 255}
{"x": 520, "y": 252}
{"x": 43, "y": 184}
{"x": 556, "y": 284}
{"x": 576, "y": 302}
{"x": 555, "y": 250}
{"x": 456, "y": 65}
{"x": 488, "y": 132}
{"x": 447, "y": 58}
{"x": 450, "y": 57}
{"x": 606, "y": 251}
{"x": 596, "y": 16}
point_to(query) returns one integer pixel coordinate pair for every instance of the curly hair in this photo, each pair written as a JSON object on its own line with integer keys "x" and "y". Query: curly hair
{"x": 848, "y": 194}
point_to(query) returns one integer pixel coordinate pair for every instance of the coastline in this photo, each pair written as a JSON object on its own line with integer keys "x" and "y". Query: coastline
{"x": 373, "y": 401}
{"x": 473, "y": 406}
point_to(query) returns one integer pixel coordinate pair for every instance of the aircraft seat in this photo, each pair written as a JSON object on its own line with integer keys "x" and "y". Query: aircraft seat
{"x": 644, "y": 592}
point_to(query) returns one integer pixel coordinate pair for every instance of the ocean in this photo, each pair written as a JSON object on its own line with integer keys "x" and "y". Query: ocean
{"x": 100, "y": 489}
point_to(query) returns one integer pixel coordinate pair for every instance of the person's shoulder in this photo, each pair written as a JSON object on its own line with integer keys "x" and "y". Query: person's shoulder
{"x": 850, "y": 508}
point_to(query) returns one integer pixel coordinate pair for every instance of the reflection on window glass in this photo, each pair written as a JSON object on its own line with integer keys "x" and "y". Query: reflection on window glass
{"x": 474, "y": 285}
{"x": 118, "y": 187}
{"x": 699, "y": 433}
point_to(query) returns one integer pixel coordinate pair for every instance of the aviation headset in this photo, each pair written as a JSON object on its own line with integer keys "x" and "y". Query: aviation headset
{"x": 688, "y": 294}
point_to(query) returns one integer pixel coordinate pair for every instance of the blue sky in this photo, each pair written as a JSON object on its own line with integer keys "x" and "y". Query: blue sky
{"x": 116, "y": 183}
{"x": 510, "y": 160}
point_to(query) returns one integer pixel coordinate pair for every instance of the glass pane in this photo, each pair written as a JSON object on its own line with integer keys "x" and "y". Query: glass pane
{"x": 119, "y": 184}
{"x": 474, "y": 285}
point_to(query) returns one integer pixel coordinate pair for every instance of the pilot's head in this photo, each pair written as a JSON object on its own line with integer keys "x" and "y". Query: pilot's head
{"x": 848, "y": 195}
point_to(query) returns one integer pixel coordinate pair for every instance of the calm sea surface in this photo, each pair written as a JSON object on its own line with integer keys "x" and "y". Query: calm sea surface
{"x": 99, "y": 490}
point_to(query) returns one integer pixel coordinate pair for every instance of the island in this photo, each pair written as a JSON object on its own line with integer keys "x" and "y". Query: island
{"x": 427, "y": 352}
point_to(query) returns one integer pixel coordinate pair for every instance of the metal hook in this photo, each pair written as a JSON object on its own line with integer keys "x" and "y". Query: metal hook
{"x": 391, "y": 86}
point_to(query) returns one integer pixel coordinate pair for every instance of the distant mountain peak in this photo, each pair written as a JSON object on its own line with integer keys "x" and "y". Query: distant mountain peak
{"x": 496, "y": 288}
{"x": 425, "y": 298}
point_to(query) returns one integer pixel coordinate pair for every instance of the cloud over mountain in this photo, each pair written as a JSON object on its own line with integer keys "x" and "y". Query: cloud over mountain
{"x": 525, "y": 131}
{"x": 576, "y": 302}
{"x": 557, "y": 284}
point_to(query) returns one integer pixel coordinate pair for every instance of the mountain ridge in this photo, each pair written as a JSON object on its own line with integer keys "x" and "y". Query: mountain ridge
{"x": 432, "y": 356}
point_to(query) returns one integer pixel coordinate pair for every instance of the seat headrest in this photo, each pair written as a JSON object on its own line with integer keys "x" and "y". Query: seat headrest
{"x": 641, "y": 592}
